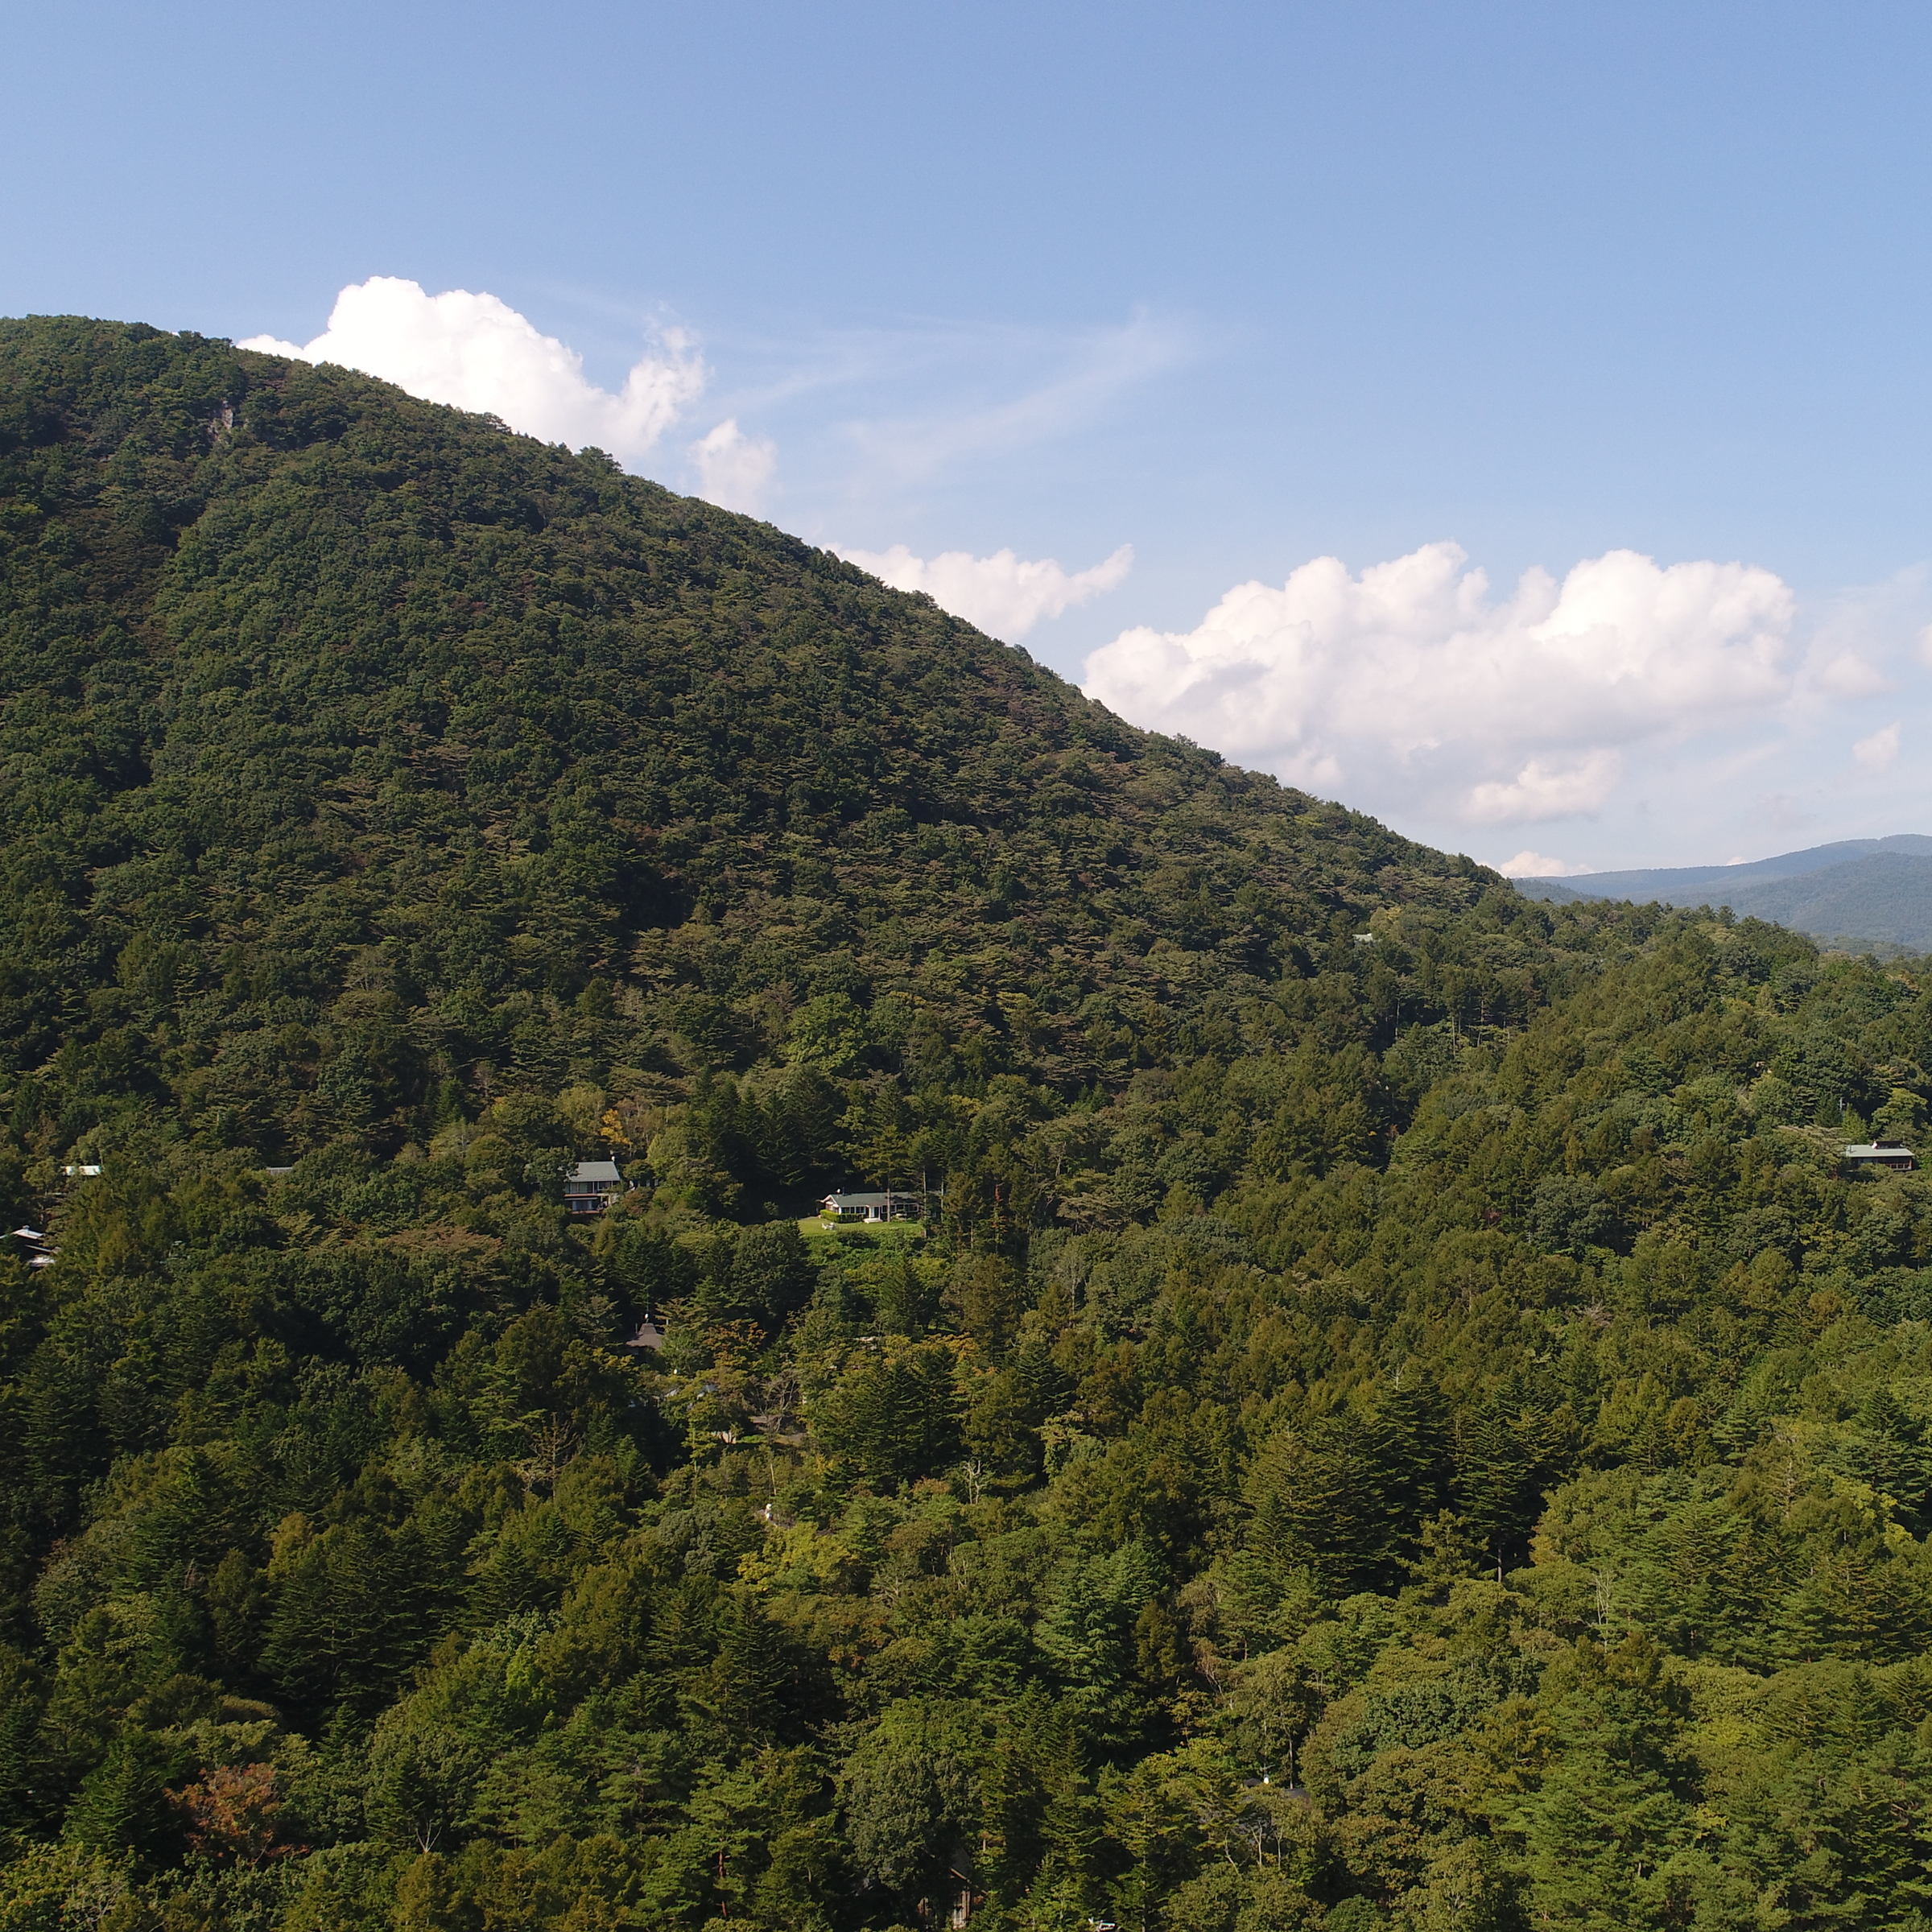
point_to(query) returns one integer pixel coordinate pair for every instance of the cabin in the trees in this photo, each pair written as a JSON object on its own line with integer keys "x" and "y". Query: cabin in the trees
{"x": 591, "y": 1186}
{"x": 1893, "y": 1154}
{"x": 887, "y": 1206}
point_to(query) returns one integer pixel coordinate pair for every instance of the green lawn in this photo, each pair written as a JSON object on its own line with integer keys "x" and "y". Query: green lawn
{"x": 811, "y": 1225}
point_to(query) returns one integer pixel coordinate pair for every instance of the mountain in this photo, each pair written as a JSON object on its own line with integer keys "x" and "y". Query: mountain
{"x": 326, "y": 706}
{"x": 1868, "y": 888}
{"x": 1396, "y": 1413}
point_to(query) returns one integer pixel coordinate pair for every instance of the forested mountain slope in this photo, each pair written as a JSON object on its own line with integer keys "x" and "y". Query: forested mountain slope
{"x": 1397, "y": 1417}
{"x": 313, "y": 691}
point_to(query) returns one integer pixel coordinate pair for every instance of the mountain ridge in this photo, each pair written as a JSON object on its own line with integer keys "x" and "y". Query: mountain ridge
{"x": 1868, "y": 889}
{"x": 743, "y": 732}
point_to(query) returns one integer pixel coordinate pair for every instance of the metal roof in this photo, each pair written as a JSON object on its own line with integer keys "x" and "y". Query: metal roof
{"x": 594, "y": 1170}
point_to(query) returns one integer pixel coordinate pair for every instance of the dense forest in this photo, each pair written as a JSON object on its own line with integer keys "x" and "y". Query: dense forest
{"x": 1397, "y": 1413}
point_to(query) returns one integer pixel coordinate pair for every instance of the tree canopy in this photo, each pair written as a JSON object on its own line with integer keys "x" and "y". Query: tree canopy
{"x": 1396, "y": 1414}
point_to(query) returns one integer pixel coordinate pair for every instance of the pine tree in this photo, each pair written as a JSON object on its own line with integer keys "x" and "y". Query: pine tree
{"x": 1601, "y": 1830}
{"x": 1414, "y": 1448}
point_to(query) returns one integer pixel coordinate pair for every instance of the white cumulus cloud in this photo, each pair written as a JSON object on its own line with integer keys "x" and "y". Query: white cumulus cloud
{"x": 1848, "y": 674}
{"x": 1528, "y": 864}
{"x": 1005, "y": 596}
{"x": 1877, "y": 752}
{"x": 1547, "y": 788}
{"x": 1408, "y": 686}
{"x": 734, "y": 468}
{"x": 478, "y": 353}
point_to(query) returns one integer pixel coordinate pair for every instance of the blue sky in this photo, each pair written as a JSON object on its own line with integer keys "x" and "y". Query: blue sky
{"x": 1243, "y": 288}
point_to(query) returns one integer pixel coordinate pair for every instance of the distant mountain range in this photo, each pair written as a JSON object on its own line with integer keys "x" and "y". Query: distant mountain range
{"x": 1879, "y": 889}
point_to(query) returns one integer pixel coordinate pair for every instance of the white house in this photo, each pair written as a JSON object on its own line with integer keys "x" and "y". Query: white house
{"x": 873, "y": 1207}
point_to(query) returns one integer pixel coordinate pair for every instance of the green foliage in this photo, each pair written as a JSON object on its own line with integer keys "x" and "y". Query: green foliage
{"x": 1419, "y": 1431}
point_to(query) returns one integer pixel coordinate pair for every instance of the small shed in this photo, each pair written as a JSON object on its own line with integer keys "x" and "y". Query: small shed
{"x": 39, "y": 1255}
{"x": 592, "y": 1186}
{"x": 1892, "y": 1154}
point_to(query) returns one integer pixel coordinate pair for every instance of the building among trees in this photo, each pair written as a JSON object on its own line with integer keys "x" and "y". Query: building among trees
{"x": 887, "y": 1206}
{"x": 1894, "y": 1155}
{"x": 591, "y": 1185}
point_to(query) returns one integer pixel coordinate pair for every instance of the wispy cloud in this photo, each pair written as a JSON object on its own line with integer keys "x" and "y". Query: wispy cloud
{"x": 867, "y": 414}
{"x": 1085, "y": 375}
{"x": 876, "y": 410}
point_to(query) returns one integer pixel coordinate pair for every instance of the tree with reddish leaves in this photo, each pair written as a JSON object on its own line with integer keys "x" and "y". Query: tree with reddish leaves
{"x": 233, "y": 1815}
